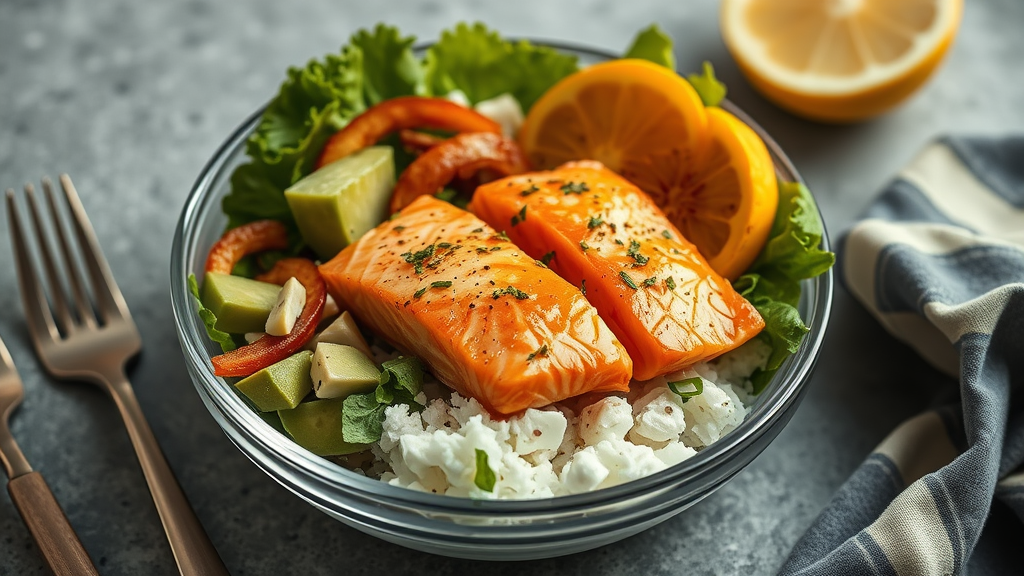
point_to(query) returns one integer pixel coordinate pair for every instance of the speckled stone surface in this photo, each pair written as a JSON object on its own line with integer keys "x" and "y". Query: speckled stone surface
{"x": 132, "y": 97}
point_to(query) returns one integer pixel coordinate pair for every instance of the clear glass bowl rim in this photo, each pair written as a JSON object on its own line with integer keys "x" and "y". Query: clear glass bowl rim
{"x": 773, "y": 403}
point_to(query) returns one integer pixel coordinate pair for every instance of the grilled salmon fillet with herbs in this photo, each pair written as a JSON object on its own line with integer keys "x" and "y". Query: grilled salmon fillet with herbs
{"x": 606, "y": 236}
{"x": 490, "y": 321}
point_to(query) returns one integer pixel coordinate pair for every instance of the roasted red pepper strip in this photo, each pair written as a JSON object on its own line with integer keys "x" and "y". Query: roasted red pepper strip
{"x": 399, "y": 114}
{"x": 418, "y": 142}
{"x": 459, "y": 156}
{"x": 246, "y": 239}
{"x": 270, "y": 349}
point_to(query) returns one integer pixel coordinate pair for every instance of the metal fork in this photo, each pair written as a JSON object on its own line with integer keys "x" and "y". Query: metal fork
{"x": 30, "y": 493}
{"x": 92, "y": 342}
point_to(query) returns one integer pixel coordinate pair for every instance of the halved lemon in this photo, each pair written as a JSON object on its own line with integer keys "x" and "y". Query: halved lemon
{"x": 839, "y": 60}
{"x": 707, "y": 170}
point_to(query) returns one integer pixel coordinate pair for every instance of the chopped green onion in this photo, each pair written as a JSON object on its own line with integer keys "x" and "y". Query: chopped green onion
{"x": 441, "y": 284}
{"x": 671, "y": 283}
{"x": 419, "y": 293}
{"x": 650, "y": 281}
{"x": 484, "y": 478}
{"x": 688, "y": 388}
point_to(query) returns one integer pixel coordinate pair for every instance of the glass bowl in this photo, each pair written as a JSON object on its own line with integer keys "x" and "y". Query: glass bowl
{"x": 477, "y": 529}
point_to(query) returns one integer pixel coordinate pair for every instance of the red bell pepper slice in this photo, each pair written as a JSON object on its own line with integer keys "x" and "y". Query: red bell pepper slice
{"x": 461, "y": 156}
{"x": 403, "y": 113}
{"x": 270, "y": 349}
{"x": 418, "y": 142}
{"x": 246, "y": 239}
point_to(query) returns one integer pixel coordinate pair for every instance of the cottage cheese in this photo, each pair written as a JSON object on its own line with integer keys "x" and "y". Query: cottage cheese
{"x": 552, "y": 451}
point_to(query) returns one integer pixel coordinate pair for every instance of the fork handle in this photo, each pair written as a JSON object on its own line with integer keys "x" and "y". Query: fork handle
{"x": 192, "y": 548}
{"x": 49, "y": 526}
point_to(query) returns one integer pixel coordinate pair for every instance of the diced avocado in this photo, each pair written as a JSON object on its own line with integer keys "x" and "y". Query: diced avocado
{"x": 280, "y": 386}
{"x": 241, "y": 305}
{"x": 342, "y": 331}
{"x": 274, "y": 420}
{"x": 316, "y": 426}
{"x": 339, "y": 370}
{"x": 338, "y": 203}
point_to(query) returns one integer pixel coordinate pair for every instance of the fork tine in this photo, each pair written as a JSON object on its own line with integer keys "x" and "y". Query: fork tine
{"x": 63, "y": 314}
{"x": 109, "y": 300}
{"x": 82, "y": 305}
{"x": 37, "y": 311}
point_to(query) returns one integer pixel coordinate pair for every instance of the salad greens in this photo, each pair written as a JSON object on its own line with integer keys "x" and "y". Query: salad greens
{"x": 654, "y": 45}
{"x": 319, "y": 99}
{"x": 482, "y": 65}
{"x": 227, "y": 343}
{"x": 709, "y": 88}
{"x": 362, "y": 415}
{"x": 772, "y": 283}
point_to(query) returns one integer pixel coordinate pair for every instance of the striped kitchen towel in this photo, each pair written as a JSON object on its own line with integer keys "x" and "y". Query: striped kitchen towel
{"x": 939, "y": 260}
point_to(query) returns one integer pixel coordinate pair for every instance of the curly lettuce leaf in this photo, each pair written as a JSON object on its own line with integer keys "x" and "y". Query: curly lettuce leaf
{"x": 482, "y": 64}
{"x": 227, "y": 344}
{"x": 390, "y": 69}
{"x": 654, "y": 45}
{"x": 772, "y": 284}
{"x": 710, "y": 89}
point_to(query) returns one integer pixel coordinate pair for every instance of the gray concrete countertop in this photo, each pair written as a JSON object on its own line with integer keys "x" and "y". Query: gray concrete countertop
{"x": 132, "y": 97}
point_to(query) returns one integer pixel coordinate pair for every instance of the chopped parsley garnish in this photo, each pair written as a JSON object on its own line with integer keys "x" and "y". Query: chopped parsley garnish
{"x": 484, "y": 477}
{"x": 511, "y": 291}
{"x": 676, "y": 251}
{"x": 529, "y": 190}
{"x": 619, "y": 242}
{"x": 542, "y": 351}
{"x": 419, "y": 293}
{"x": 418, "y": 258}
{"x": 575, "y": 188}
{"x": 666, "y": 234}
{"x": 520, "y": 217}
{"x": 671, "y": 283}
{"x": 628, "y": 280}
{"x": 595, "y": 221}
{"x": 583, "y": 286}
{"x": 444, "y": 245}
{"x": 688, "y": 388}
{"x": 398, "y": 228}
{"x": 539, "y": 263}
{"x": 441, "y": 284}
{"x": 547, "y": 258}
{"x": 502, "y": 236}
{"x": 634, "y": 253}
{"x": 476, "y": 230}
{"x": 495, "y": 248}
{"x": 481, "y": 249}
{"x": 584, "y": 245}
{"x": 650, "y": 281}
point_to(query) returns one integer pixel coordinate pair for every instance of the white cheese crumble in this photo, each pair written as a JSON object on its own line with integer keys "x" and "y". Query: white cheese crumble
{"x": 552, "y": 451}
{"x": 290, "y": 302}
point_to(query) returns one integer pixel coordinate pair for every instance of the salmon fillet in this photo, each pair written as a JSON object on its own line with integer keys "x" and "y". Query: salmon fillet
{"x": 603, "y": 234}
{"x": 488, "y": 320}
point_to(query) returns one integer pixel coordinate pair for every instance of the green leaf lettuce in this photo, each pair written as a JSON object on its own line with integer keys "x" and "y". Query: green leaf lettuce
{"x": 772, "y": 284}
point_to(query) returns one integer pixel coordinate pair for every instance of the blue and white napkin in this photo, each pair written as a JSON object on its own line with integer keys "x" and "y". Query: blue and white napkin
{"x": 939, "y": 260}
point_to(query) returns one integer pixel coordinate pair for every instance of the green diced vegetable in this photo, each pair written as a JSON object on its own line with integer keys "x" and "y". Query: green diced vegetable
{"x": 240, "y": 304}
{"x": 338, "y": 203}
{"x": 209, "y": 319}
{"x": 280, "y": 386}
{"x": 316, "y": 426}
